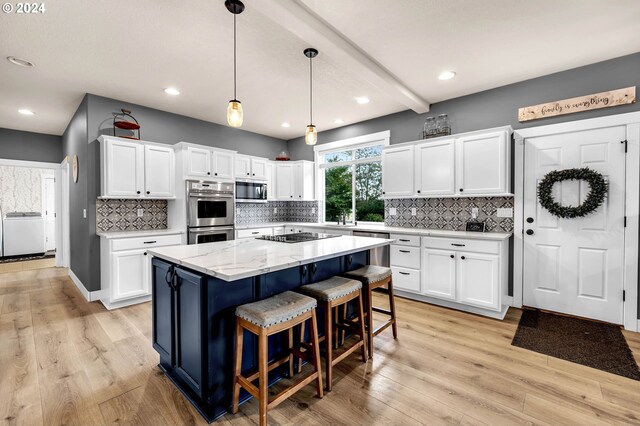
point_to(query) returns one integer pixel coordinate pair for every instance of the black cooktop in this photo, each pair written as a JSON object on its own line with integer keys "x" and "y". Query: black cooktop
{"x": 299, "y": 237}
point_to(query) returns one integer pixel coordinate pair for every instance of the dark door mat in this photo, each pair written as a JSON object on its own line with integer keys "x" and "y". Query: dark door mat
{"x": 594, "y": 344}
{"x": 36, "y": 256}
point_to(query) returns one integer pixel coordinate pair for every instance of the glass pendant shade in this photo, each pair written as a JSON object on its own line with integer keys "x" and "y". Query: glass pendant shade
{"x": 234, "y": 113}
{"x": 311, "y": 135}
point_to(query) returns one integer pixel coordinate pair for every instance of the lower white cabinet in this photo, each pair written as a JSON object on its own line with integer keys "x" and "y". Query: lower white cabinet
{"x": 439, "y": 273}
{"x": 479, "y": 280}
{"x": 125, "y": 266}
{"x": 253, "y": 232}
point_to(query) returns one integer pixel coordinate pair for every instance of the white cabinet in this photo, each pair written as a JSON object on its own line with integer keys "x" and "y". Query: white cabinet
{"x": 435, "y": 168}
{"x": 222, "y": 164}
{"x": 482, "y": 163}
{"x": 279, "y": 230}
{"x": 247, "y": 167}
{"x": 405, "y": 262}
{"x": 125, "y": 266}
{"x": 253, "y": 233}
{"x": 439, "y": 274}
{"x": 198, "y": 162}
{"x": 295, "y": 181}
{"x": 270, "y": 171}
{"x": 397, "y": 171}
{"x": 136, "y": 169}
{"x": 159, "y": 169}
{"x": 478, "y": 280}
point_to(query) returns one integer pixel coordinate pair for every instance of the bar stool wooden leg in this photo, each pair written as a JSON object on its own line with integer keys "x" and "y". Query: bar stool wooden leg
{"x": 392, "y": 308}
{"x": 328, "y": 339}
{"x": 237, "y": 366}
{"x": 362, "y": 328}
{"x": 370, "y": 321}
{"x": 263, "y": 376}
{"x": 290, "y": 352}
{"x": 302, "y": 330}
{"x": 316, "y": 353}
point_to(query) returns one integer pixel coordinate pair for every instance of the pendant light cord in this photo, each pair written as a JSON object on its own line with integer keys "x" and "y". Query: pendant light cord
{"x": 235, "y": 96}
{"x": 310, "y": 90}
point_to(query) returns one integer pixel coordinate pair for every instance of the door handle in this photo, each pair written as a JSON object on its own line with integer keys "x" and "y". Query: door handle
{"x": 529, "y": 231}
{"x": 404, "y": 273}
{"x": 404, "y": 251}
{"x": 457, "y": 245}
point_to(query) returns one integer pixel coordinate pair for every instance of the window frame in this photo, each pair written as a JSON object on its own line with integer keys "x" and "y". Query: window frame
{"x": 364, "y": 141}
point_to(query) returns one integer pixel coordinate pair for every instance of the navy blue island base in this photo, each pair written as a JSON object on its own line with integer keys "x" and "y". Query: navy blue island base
{"x": 194, "y": 325}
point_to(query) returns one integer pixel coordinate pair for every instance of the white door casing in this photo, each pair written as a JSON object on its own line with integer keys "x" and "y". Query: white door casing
{"x": 49, "y": 212}
{"x": 575, "y": 266}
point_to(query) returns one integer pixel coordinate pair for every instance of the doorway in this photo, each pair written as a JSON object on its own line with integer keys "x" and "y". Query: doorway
{"x": 583, "y": 266}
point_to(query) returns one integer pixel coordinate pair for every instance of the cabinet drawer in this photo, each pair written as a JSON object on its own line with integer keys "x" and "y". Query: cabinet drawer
{"x": 252, "y": 233}
{"x": 461, "y": 244}
{"x": 145, "y": 242}
{"x": 278, "y": 230}
{"x": 405, "y": 257}
{"x": 406, "y": 279}
{"x": 406, "y": 240}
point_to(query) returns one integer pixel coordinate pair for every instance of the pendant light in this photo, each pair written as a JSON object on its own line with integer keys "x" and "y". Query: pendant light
{"x": 234, "y": 110}
{"x": 311, "y": 134}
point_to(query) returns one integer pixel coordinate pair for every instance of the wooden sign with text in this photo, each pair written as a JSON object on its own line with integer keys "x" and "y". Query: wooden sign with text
{"x": 582, "y": 103}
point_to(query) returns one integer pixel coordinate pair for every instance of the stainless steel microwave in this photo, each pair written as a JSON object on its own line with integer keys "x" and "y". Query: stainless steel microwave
{"x": 251, "y": 191}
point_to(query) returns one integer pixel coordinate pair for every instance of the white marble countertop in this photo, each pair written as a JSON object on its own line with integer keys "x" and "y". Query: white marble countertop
{"x": 497, "y": 236}
{"x": 133, "y": 234}
{"x": 237, "y": 259}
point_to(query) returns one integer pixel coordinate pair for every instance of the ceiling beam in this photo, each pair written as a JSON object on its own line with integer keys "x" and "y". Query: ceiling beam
{"x": 303, "y": 22}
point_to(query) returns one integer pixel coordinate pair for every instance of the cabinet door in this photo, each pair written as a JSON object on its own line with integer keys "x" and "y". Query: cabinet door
{"x": 397, "y": 171}
{"x": 479, "y": 280}
{"x": 198, "y": 162}
{"x": 259, "y": 168}
{"x": 284, "y": 181}
{"x": 190, "y": 328}
{"x": 270, "y": 169}
{"x": 298, "y": 181}
{"x": 159, "y": 172}
{"x": 124, "y": 169}
{"x": 223, "y": 164}
{"x": 482, "y": 164}
{"x": 439, "y": 273}
{"x": 162, "y": 311}
{"x": 434, "y": 168}
{"x": 242, "y": 166}
{"x": 130, "y": 274}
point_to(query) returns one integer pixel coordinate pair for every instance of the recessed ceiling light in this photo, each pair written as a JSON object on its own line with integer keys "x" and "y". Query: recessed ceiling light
{"x": 24, "y": 111}
{"x": 338, "y": 121}
{"x": 20, "y": 62}
{"x": 446, "y": 75}
{"x": 362, "y": 100}
{"x": 286, "y": 125}
{"x": 172, "y": 91}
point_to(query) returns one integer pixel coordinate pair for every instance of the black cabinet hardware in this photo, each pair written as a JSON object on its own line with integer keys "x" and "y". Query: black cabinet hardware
{"x": 148, "y": 192}
{"x": 404, "y": 273}
{"x": 418, "y": 191}
{"x": 247, "y": 173}
{"x": 529, "y": 220}
{"x": 405, "y": 251}
{"x": 149, "y": 242}
{"x": 529, "y": 231}
{"x": 137, "y": 192}
{"x": 145, "y": 253}
{"x": 208, "y": 173}
{"x": 403, "y": 240}
{"x": 383, "y": 192}
{"x": 461, "y": 189}
{"x": 254, "y": 233}
{"x": 451, "y": 256}
{"x": 314, "y": 267}
{"x": 457, "y": 245}
{"x": 215, "y": 174}
{"x": 462, "y": 257}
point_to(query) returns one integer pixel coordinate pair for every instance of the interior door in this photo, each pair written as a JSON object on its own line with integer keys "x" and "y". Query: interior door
{"x": 49, "y": 212}
{"x": 575, "y": 266}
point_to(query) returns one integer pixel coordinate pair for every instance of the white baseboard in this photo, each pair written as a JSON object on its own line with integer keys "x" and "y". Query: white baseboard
{"x": 123, "y": 303}
{"x": 454, "y": 305}
{"x": 90, "y": 296}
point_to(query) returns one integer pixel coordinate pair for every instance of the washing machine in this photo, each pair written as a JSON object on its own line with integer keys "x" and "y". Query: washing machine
{"x": 23, "y": 233}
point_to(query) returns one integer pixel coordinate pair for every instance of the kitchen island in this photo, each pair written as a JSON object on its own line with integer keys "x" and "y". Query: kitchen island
{"x": 196, "y": 288}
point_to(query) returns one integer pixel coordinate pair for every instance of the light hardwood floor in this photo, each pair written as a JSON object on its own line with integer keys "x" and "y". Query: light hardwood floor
{"x": 66, "y": 361}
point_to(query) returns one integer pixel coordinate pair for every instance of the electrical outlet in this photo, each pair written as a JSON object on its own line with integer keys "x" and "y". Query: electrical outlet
{"x": 275, "y": 210}
{"x": 313, "y": 210}
{"x": 84, "y": 213}
{"x": 140, "y": 212}
{"x": 474, "y": 212}
{"x": 413, "y": 211}
{"x": 238, "y": 211}
{"x": 505, "y": 212}
{"x": 393, "y": 211}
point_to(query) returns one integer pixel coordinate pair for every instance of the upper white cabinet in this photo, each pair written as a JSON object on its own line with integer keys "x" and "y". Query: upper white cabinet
{"x": 251, "y": 167}
{"x": 434, "y": 168}
{"x": 474, "y": 163}
{"x": 294, "y": 180}
{"x": 270, "y": 171}
{"x": 201, "y": 162}
{"x": 136, "y": 169}
{"x": 159, "y": 169}
{"x": 397, "y": 171}
{"x": 482, "y": 163}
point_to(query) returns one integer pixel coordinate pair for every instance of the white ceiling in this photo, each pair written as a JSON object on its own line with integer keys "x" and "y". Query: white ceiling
{"x": 132, "y": 50}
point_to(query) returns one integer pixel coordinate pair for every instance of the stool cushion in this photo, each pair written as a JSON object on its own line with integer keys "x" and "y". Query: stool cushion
{"x": 276, "y": 309}
{"x": 369, "y": 274}
{"x": 331, "y": 289}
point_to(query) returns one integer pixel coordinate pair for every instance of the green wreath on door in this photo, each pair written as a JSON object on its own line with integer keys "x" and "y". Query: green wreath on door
{"x": 598, "y": 192}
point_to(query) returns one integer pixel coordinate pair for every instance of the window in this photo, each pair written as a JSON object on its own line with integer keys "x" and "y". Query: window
{"x": 350, "y": 179}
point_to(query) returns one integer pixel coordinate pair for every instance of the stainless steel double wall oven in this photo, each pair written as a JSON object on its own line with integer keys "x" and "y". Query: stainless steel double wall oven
{"x": 210, "y": 211}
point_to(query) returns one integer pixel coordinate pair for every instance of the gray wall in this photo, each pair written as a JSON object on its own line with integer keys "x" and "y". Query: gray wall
{"x": 28, "y": 146}
{"x": 498, "y": 107}
{"x": 157, "y": 126}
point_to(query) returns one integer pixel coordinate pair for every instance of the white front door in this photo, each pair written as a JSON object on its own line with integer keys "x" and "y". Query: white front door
{"x": 575, "y": 266}
{"x": 49, "y": 212}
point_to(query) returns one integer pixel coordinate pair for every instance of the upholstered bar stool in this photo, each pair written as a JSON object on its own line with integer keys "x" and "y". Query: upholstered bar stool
{"x": 264, "y": 318}
{"x": 332, "y": 294}
{"x": 372, "y": 277}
